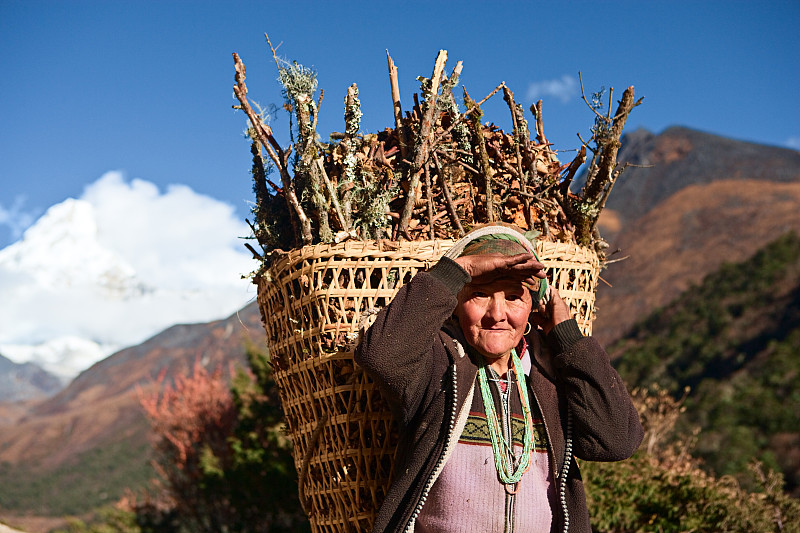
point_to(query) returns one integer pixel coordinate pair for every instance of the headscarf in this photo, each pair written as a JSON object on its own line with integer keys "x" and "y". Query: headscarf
{"x": 497, "y": 243}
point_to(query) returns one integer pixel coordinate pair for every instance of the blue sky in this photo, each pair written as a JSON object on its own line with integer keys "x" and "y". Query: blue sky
{"x": 144, "y": 88}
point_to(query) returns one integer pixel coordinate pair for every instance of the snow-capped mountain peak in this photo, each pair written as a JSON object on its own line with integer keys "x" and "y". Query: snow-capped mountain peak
{"x": 61, "y": 250}
{"x": 119, "y": 265}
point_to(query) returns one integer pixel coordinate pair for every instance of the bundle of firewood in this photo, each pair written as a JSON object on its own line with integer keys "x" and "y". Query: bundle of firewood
{"x": 437, "y": 173}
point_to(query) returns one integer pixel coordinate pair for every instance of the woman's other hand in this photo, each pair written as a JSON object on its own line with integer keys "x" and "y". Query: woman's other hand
{"x": 484, "y": 268}
{"x": 554, "y": 312}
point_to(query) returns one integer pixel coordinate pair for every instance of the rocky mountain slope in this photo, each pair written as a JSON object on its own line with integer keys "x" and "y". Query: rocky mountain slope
{"x": 704, "y": 201}
{"x": 95, "y": 425}
{"x": 680, "y": 157}
{"x": 26, "y": 381}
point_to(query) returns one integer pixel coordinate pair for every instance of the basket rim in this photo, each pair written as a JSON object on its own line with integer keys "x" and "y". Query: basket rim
{"x": 278, "y": 260}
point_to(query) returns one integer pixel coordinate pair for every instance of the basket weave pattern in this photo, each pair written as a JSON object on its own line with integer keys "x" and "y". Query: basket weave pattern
{"x": 313, "y": 301}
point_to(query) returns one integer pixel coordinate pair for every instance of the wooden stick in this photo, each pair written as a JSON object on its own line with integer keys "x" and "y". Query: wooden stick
{"x": 468, "y": 167}
{"x": 466, "y": 114}
{"x": 429, "y": 198}
{"x": 447, "y": 197}
{"x": 602, "y": 173}
{"x": 274, "y": 51}
{"x": 424, "y": 142}
{"x": 307, "y": 112}
{"x": 583, "y": 95}
{"x": 316, "y": 111}
{"x": 508, "y": 96}
{"x": 264, "y": 134}
{"x": 332, "y": 193}
{"x": 256, "y": 255}
{"x": 576, "y": 163}
{"x": 261, "y": 156}
{"x": 540, "y": 138}
{"x": 483, "y": 157}
{"x": 608, "y": 156}
{"x": 397, "y": 107}
{"x": 438, "y": 70}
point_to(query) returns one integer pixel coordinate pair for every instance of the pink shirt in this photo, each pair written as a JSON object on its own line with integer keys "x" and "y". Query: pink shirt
{"x": 468, "y": 495}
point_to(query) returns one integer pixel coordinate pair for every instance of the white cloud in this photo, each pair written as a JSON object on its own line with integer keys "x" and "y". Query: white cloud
{"x": 564, "y": 89}
{"x": 177, "y": 239}
{"x": 16, "y": 218}
{"x": 793, "y": 142}
{"x": 151, "y": 259}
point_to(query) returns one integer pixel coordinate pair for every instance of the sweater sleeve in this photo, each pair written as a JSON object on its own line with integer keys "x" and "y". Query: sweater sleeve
{"x": 606, "y": 425}
{"x": 396, "y": 350}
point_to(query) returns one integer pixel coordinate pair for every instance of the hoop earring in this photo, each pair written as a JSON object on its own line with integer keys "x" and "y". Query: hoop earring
{"x": 527, "y": 329}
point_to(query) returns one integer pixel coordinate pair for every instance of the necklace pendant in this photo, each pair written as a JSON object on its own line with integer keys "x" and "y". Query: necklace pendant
{"x": 512, "y": 488}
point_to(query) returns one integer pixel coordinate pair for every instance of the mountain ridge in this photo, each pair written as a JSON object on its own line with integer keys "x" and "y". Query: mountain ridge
{"x": 103, "y": 400}
{"x": 25, "y": 381}
{"x": 691, "y": 226}
{"x": 665, "y": 163}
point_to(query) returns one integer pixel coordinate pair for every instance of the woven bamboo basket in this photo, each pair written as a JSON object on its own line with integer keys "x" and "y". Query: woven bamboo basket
{"x": 313, "y": 301}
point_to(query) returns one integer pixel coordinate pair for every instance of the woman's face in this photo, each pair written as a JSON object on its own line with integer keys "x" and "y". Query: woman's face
{"x": 493, "y": 316}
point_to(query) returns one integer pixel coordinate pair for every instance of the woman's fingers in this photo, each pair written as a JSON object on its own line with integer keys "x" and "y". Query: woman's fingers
{"x": 553, "y": 313}
{"x": 530, "y": 266}
{"x": 486, "y": 267}
{"x": 518, "y": 267}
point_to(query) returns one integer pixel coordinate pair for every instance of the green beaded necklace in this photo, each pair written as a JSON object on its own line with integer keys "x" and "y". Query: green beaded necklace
{"x": 505, "y": 469}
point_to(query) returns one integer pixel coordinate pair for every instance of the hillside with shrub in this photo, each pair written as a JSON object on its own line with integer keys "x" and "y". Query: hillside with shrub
{"x": 663, "y": 488}
{"x": 82, "y": 448}
{"x": 732, "y": 343}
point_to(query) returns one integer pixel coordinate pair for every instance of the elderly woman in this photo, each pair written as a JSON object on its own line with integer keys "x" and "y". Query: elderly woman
{"x": 495, "y": 389}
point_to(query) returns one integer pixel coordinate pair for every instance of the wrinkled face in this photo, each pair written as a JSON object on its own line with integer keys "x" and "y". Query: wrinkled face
{"x": 493, "y": 316}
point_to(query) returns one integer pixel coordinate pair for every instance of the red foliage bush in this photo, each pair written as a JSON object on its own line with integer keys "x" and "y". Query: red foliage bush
{"x": 192, "y": 420}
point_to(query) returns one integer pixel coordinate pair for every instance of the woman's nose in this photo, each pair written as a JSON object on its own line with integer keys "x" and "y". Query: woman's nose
{"x": 496, "y": 308}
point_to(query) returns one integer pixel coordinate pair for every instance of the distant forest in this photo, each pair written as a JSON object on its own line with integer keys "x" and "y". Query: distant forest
{"x": 732, "y": 345}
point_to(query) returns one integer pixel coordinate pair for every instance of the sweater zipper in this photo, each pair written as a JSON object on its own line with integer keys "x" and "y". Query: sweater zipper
{"x": 445, "y": 453}
{"x": 559, "y": 477}
{"x": 553, "y": 462}
{"x": 550, "y": 450}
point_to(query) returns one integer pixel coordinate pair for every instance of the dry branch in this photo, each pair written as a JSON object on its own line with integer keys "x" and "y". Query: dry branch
{"x": 397, "y": 107}
{"x": 423, "y": 144}
{"x": 264, "y": 135}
